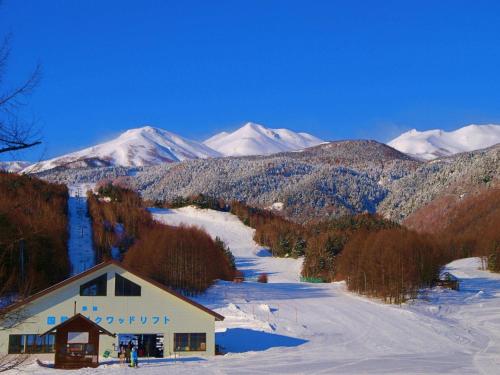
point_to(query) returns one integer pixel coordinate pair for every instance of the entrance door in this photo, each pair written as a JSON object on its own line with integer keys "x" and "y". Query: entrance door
{"x": 147, "y": 345}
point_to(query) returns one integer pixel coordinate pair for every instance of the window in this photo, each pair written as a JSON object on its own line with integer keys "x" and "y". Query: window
{"x": 20, "y": 344}
{"x": 96, "y": 287}
{"x": 190, "y": 342}
{"x": 16, "y": 344}
{"x": 125, "y": 287}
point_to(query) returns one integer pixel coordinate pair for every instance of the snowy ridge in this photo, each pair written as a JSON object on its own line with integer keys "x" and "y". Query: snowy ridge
{"x": 149, "y": 146}
{"x": 255, "y": 139}
{"x": 136, "y": 147}
{"x": 13, "y": 166}
{"x": 432, "y": 144}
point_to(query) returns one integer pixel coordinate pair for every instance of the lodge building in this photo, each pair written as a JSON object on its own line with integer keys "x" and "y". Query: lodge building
{"x": 117, "y": 303}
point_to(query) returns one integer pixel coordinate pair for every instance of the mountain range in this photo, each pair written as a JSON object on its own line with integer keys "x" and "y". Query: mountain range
{"x": 328, "y": 180}
{"x": 148, "y": 146}
{"x": 432, "y": 144}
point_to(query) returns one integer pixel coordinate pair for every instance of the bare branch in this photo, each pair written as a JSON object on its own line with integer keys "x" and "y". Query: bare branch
{"x": 16, "y": 134}
{"x": 20, "y": 147}
{"x": 4, "y": 55}
{"x": 10, "y": 362}
{"x": 12, "y": 98}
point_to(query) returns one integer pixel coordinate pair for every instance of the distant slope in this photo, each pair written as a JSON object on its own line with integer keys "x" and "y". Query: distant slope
{"x": 136, "y": 147}
{"x": 13, "y": 166}
{"x": 331, "y": 179}
{"x": 327, "y": 180}
{"x": 460, "y": 213}
{"x": 255, "y": 139}
{"x": 446, "y": 179}
{"x": 432, "y": 144}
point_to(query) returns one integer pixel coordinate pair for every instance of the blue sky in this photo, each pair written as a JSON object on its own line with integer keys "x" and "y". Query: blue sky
{"x": 336, "y": 69}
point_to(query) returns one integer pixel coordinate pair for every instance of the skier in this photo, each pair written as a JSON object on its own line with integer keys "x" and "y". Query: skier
{"x": 133, "y": 358}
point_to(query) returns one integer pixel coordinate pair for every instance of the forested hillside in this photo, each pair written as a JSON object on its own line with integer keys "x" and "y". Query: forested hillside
{"x": 454, "y": 177}
{"x": 33, "y": 234}
{"x": 330, "y": 180}
{"x": 394, "y": 264}
{"x": 468, "y": 226}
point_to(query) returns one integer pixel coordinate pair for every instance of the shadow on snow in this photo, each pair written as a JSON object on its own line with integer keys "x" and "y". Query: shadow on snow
{"x": 240, "y": 340}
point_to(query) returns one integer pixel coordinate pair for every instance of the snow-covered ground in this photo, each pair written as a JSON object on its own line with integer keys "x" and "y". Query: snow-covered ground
{"x": 80, "y": 250}
{"x": 297, "y": 328}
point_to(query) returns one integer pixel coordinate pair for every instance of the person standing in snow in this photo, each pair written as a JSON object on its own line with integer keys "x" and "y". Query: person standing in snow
{"x": 127, "y": 352}
{"x": 134, "y": 362}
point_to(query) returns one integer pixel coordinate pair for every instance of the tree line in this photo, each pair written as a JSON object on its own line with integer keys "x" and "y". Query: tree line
{"x": 395, "y": 263}
{"x": 185, "y": 258}
{"x": 33, "y": 234}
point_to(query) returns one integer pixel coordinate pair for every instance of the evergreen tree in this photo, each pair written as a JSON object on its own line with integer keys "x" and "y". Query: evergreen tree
{"x": 299, "y": 249}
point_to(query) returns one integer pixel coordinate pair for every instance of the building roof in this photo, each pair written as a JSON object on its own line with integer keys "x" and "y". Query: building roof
{"x": 99, "y": 267}
{"x": 79, "y": 317}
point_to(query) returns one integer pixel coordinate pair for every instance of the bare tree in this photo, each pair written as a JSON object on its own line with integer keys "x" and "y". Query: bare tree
{"x": 15, "y": 133}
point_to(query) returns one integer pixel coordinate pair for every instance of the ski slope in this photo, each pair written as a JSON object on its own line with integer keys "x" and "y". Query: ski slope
{"x": 288, "y": 327}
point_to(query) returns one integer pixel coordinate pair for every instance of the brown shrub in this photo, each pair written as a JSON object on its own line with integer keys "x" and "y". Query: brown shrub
{"x": 185, "y": 258}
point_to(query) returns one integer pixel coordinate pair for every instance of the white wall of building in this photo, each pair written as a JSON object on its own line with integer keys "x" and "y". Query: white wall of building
{"x": 154, "y": 312}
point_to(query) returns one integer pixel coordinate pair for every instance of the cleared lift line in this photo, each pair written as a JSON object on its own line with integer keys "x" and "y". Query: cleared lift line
{"x": 81, "y": 253}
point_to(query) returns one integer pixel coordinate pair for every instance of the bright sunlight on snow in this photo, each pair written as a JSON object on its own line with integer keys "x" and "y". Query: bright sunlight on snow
{"x": 290, "y": 327}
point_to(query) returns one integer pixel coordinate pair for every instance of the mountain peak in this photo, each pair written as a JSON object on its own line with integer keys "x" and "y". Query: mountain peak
{"x": 256, "y": 139}
{"x": 136, "y": 147}
{"x": 147, "y": 129}
{"x": 252, "y": 125}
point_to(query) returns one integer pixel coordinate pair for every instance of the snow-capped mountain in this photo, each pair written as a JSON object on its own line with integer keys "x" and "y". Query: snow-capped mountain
{"x": 136, "y": 147}
{"x": 14, "y": 166}
{"x": 432, "y": 144}
{"x": 255, "y": 139}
